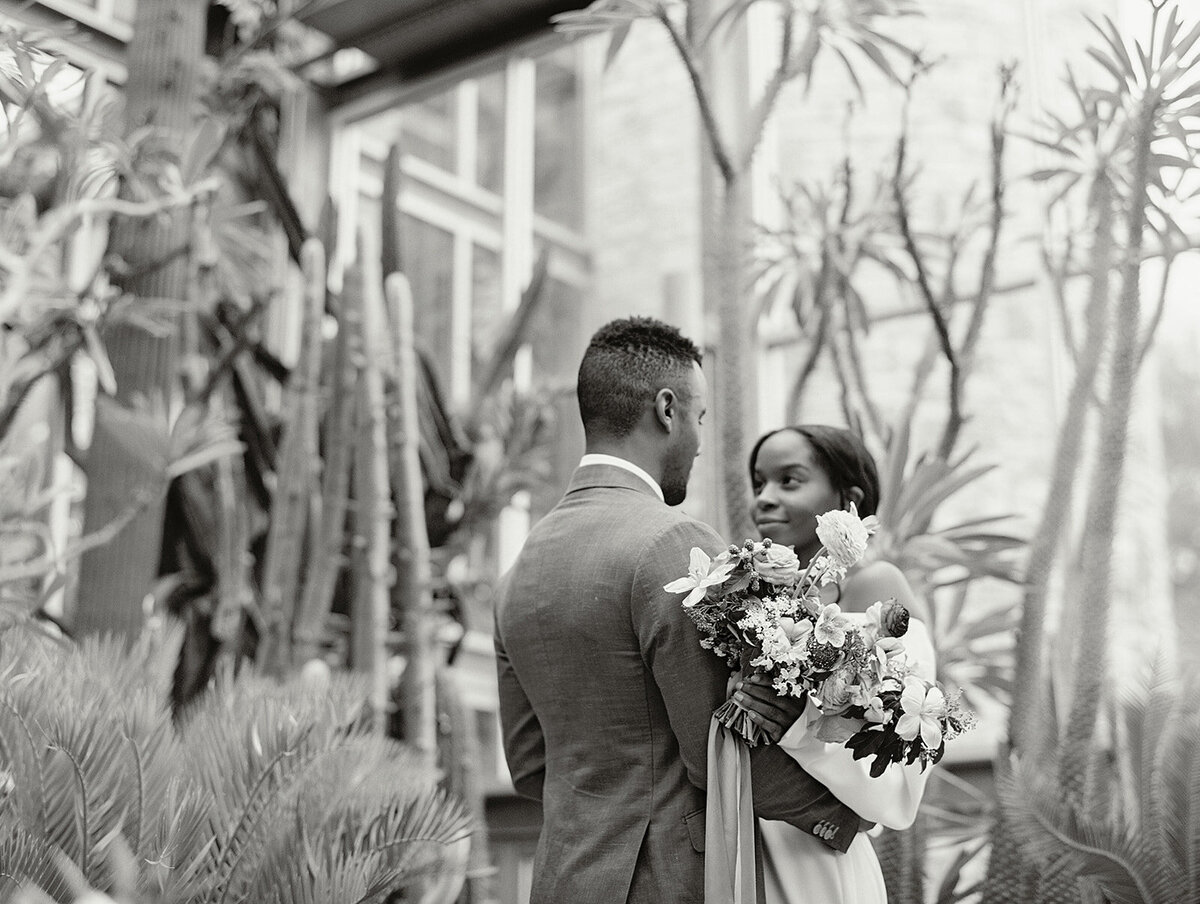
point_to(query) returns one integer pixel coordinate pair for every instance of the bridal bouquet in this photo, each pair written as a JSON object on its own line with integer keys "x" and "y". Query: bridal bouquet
{"x": 760, "y": 612}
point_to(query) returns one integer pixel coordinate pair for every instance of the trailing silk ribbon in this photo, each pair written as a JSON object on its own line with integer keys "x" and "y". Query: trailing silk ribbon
{"x": 729, "y": 864}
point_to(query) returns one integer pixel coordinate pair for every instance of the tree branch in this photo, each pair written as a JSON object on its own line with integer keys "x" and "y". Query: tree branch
{"x": 707, "y": 116}
{"x": 987, "y": 271}
{"x": 910, "y": 246}
{"x": 766, "y": 104}
{"x": 809, "y": 366}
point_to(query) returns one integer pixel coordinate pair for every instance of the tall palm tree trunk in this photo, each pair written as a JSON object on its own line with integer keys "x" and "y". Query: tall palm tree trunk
{"x": 1028, "y": 685}
{"x": 164, "y": 56}
{"x": 734, "y": 374}
{"x": 1095, "y": 589}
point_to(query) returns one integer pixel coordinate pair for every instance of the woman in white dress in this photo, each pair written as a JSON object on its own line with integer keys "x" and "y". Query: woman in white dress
{"x": 798, "y": 473}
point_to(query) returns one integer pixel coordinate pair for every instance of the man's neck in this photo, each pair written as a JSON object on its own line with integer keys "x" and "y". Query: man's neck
{"x": 616, "y": 461}
{"x": 630, "y": 452}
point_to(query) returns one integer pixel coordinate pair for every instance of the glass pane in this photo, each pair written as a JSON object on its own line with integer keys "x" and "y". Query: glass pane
{"x": 429, "y": 130}
{"x": 385, "y": 128}
{"x": 487, "y": 319}
{"x": 557, "y": 347}
{"x": 427, "y": 256}
{"x": 557, "y": 177}
{"x": 489, "y": 167}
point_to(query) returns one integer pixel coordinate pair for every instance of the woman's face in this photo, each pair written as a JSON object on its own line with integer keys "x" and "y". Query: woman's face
{"x": 790, "y": 490}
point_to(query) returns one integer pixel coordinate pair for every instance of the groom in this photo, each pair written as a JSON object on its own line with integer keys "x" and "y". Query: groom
{"x": 605, "y": 691}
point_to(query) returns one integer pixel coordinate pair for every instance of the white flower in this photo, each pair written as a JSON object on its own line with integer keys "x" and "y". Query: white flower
{"x": 875, "y": 711}
{"x": 776, "y": 564}
{"x": 797, "y": 631}
{"x": 775, "y": 643}
{"x": 924, "y": 707}
{"x": 873, "y": 620}
{"x": 884, "y": 653}
{"x": 844, "y": 535}
{"x": 703, "y": 573}
{"x": 832, "y": 626}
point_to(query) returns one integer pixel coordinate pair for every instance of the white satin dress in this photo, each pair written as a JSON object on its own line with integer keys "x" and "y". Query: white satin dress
{"x": 799, "y": 868}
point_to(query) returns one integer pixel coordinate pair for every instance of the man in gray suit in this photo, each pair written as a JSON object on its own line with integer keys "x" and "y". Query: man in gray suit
{"x": 605, "y": 691}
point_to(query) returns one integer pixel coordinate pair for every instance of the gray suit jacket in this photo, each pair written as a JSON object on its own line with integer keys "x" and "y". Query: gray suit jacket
{"x": 606, "y": 697}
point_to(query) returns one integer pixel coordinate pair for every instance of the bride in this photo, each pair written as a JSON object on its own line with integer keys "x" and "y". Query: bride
{"x": 798, "y": 473}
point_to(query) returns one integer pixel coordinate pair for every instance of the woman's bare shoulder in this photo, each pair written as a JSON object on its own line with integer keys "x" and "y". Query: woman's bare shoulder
{"x": 874, "y": 581}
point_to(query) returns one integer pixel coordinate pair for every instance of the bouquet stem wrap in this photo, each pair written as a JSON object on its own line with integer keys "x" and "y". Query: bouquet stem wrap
{"x": 729, "y": 862}
{"x": 736, "y": 717}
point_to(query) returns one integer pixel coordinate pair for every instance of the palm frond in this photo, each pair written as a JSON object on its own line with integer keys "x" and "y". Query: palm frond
{"x": 265, "y": 791}
{"x": 28, "y": 861}
{"x": 1134, "y": 838}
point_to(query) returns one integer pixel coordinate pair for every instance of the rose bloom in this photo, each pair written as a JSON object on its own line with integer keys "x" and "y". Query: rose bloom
{"x": 836, "y": 694}
{"x": 777, "y": 564}
{"x": 844, "y": 536}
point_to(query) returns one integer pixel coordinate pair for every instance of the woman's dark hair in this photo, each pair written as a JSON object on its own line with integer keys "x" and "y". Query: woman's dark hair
{"x": 626, "y": 363}
{"x": 841, "y": 455}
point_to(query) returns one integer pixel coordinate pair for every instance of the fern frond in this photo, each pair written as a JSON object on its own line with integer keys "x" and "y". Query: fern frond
{"x": 241, "y": 844}
{"x": 1175, "y": 743}
{"x": 1191, "y": 834}
{"x": 266, "y": 791}
{"x": 25, "y": 770}
{"x": 1053, "y": 832}
{"x": 179, "y": 847}
{"x": 84, "y": 846}
{"x": 26, "y": 860}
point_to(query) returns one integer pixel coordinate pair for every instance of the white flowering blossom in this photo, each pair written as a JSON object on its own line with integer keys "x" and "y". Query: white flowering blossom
{"x": 844, "y": 535}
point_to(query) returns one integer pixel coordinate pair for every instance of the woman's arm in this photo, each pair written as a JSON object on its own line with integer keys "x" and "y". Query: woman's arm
{"x": 891, "y": 799}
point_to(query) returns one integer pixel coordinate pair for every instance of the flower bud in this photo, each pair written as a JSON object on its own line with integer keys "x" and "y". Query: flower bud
{"x": 894, "y": 619}
{"x": 822, "y": 656}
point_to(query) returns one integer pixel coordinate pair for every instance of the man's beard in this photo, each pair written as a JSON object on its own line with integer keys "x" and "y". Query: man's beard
{"x": 674, "y": 487}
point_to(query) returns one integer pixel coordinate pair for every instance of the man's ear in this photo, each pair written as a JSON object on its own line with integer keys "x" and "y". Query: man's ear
{"x": 666, "y": 408}
{"x": 855, "y": 495}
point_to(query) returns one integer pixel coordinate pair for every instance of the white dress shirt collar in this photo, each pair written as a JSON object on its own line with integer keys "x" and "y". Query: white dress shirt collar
{"x": 599, "y": 458}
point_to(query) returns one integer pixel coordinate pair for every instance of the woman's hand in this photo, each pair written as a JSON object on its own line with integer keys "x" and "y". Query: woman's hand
{"x": 773, "y": 713}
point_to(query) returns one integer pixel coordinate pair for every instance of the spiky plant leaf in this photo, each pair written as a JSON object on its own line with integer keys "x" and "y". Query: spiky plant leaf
{"x": 1054, "y": 834}
{"x": 1139, "y": 844}
{"x": 28, "y": 861}
{"x": 264, "y": 791}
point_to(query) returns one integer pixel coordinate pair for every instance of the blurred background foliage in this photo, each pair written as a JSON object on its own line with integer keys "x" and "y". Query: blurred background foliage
{"x": 295, "y": 520}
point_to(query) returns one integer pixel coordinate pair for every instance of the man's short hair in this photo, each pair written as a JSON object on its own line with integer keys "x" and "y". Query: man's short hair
{"x": 627, "y": 362}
